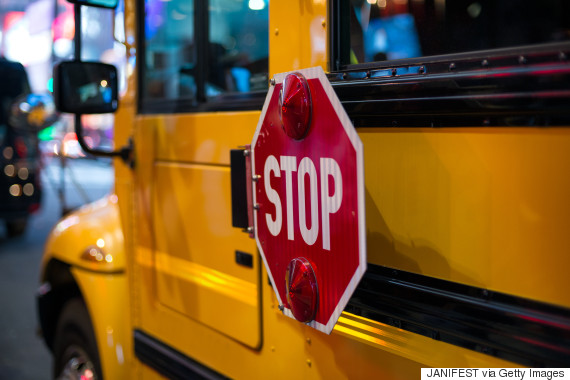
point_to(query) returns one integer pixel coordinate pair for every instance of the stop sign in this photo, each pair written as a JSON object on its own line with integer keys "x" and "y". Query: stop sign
{"x": 308, "y": 194}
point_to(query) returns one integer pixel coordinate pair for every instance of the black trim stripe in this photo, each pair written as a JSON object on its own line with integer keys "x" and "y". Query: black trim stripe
{"x": 512, "y": 328}
{"x": 231, "y": 102}
{"x": 168, "y": 361}
{"x": 523, "y": 87}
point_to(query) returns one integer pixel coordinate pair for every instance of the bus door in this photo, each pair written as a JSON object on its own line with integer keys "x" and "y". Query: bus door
{"x": 199, "y": 88}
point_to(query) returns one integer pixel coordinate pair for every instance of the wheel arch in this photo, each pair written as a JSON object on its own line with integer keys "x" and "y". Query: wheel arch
{"x": 57, "y": 287}
{"x": 73, "y": 268}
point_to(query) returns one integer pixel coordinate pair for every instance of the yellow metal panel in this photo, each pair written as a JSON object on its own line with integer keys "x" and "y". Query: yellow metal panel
{"x": 94, "y": 225}
{"x": 201, "y": 138}
{"x": 197, "y": 273}
{"x": 484, "y": 207}
{"x": 103, "y": 283}
{"x": 107, "y": 300}
{"x": 297, "y": 35}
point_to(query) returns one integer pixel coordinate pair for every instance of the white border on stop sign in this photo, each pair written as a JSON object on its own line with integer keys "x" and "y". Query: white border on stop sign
{"x": 318, "y": 73}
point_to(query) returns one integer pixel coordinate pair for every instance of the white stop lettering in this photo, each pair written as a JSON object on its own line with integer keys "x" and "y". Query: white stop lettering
{"x": 330, "y": 203}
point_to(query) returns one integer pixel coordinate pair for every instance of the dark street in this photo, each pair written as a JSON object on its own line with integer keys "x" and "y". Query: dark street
{"x": 23, "y": 354}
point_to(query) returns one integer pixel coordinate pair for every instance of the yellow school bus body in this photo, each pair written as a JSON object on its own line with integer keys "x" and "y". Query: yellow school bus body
{"x": 103, "y": 283}
{"x": 486, "y": 207}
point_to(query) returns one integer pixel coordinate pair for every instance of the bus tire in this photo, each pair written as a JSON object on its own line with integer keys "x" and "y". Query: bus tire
{"x": 75, "y": 348}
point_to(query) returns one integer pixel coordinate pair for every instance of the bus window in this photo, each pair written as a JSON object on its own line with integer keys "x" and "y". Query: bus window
{"x": 169, "y": 61}
{"x": 194, "y": 60}
{"x": 239, "y": 46}
{"x": 397, "y": 29}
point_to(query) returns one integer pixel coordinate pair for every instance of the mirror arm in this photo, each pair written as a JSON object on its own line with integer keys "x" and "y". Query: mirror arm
{"x": 125, "y": 153}
{"x": 77, "y": 36}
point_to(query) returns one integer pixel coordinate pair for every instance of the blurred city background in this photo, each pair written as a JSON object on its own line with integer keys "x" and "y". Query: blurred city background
{"x": 38, "y": 34}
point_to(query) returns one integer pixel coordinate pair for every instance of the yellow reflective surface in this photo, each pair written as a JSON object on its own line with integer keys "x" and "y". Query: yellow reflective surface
{"x": 298, "y": 35}
{"x": 78, "y": 240}
{"x": 487, "y": 207}
{"x": 76, "y": 234}
{"x": 107, "y": 299}
{"x": 195, "y": 251}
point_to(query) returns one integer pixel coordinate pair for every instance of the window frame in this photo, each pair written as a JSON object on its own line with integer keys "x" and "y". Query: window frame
{"x": 236, "y": 101}
{"x": 339, "y": 51}
{"x": 524, "y": 86}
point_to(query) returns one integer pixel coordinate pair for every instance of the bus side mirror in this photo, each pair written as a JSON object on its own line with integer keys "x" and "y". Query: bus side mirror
{"x": 85, "y": 87}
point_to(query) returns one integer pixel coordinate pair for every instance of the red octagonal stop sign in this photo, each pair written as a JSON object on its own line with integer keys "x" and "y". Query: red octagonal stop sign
{"x": 308, "y": 196}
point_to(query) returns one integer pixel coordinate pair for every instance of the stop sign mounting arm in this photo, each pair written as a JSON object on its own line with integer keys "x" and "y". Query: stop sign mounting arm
{"x": 241, "y": 189}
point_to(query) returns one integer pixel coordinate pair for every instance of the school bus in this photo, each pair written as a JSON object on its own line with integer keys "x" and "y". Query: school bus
{"x": 462, "y": 108}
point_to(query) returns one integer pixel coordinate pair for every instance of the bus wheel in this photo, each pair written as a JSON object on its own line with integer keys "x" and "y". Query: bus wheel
{"x": 75, "y": 348}
{"x": 16, "y": 227}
